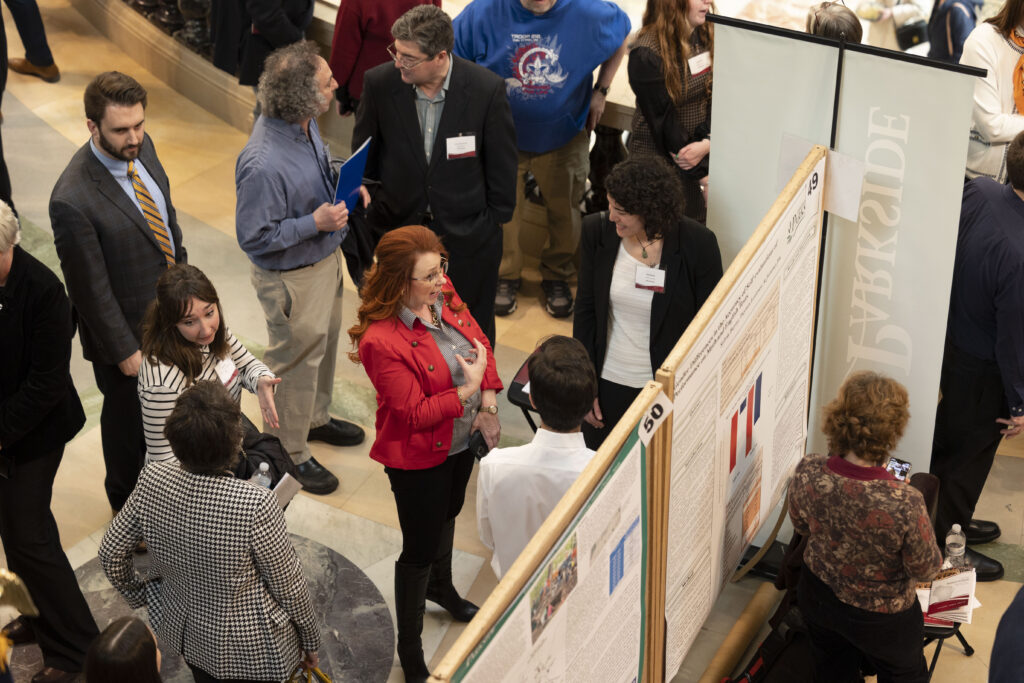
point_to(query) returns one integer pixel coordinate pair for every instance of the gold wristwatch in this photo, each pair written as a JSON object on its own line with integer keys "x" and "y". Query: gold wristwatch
{"x": 493, "y": 410}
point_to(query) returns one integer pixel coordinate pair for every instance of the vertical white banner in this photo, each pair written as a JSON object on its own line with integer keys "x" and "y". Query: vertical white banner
{"x": 885, "y": 290}
{"x": 766, "y": 86}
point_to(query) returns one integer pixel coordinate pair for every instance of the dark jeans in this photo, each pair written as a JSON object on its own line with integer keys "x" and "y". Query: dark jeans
{"x": 474, "y": 272}
{"x": 966, "y": 435}
{"x": 426, "y": 500}
{"x": 65, "y": 627}
{"x": 124, "y": 445}
{"x": 615, "y": 400}
{"x": 844, "y": 637}
{"x": 203, "y": 677}
{"x": 30, "y": 27}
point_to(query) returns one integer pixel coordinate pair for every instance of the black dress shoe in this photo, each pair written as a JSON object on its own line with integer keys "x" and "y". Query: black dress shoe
{"x": 337, "y": 433}
{"x": 50, "y": 675}
{"x": 19, "y": 632}
{"x": 981, "y": 531}
{"x": 315, "y": 478}
{"x": 985, "y": 568}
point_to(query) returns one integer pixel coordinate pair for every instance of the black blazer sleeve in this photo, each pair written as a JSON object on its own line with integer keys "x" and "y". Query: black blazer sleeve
{"x": 272, "y": 21}
{"x": 366, "y": 126}
{"x": 701, "y": 249}
{"x": 585, "y": 321}
{"x": 39, "y": 408}
{"x": 501, "y": 158}
{"x": 648, "y": 84}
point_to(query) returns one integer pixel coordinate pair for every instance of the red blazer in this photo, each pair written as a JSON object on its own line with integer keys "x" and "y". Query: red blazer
{"x": 416, "y": 400}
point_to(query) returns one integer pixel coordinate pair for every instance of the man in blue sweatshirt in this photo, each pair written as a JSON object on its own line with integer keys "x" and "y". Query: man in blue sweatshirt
{"x": 547, "y": 51}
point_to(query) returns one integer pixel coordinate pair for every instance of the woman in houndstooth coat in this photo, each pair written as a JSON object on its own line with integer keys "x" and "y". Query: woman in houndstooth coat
{"x": 225, "y": 587}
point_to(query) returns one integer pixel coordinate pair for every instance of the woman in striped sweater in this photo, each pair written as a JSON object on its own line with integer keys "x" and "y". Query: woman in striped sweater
{"x": 184, "y": 340}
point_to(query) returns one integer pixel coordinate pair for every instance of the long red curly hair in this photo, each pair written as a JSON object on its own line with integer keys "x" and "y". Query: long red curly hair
{"x": 383, "y": 292}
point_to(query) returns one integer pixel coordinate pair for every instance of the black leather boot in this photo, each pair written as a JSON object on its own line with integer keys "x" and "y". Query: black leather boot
{"x": 440, "y": 588}
{"x": 410, "y": 592}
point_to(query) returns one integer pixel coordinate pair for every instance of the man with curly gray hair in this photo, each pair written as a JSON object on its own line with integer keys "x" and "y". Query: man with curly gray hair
{"x": 287, "y": 223}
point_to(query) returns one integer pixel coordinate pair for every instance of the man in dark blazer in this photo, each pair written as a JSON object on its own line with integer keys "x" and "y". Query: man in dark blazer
{"x": 39, "y": 413}
{"x": 274, "y": 24}
{"x": 444, "y": 151}
{"x": 115, "y": 236}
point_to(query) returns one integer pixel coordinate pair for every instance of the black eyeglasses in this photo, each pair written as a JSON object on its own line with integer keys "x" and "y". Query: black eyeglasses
{"x": 436, "y": 276}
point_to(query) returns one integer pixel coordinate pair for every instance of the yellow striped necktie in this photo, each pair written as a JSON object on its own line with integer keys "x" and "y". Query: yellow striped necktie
{"x": 151, "y": 214}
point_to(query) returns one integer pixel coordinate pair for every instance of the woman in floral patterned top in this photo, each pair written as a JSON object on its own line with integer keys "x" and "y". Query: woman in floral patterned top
{"x": 869, "y": 540}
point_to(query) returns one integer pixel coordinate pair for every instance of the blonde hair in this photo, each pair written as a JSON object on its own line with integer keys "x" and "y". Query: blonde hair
{"x": 10, "y": 229}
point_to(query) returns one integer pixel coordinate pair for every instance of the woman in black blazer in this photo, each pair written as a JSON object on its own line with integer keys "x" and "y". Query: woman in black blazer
{"x": 39, "y": 413}
{"x": 646, "y": 270}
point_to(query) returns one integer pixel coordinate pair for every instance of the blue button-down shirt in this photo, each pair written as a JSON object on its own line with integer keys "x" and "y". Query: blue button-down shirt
{"x": 281, "y": 177}
{"x": 119, "y": 169}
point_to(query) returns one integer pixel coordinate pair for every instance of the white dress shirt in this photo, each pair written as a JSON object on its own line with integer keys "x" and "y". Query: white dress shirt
{"x": 517, "y": 488}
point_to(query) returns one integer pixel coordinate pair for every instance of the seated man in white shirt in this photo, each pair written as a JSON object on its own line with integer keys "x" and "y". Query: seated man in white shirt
{"x": 517, "y": 488}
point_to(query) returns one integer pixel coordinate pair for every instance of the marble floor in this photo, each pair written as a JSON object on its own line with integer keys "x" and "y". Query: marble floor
{"x": 43, "y": 124}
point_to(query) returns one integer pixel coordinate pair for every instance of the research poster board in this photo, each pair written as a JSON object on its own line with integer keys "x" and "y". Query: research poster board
{"x": 581, "y": 613}
{"x": 739, "y": 379}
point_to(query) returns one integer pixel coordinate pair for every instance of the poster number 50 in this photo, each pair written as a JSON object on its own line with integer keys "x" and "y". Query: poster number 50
{"x": 654, "y": 416}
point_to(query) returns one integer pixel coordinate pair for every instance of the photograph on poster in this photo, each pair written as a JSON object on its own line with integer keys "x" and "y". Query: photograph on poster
{"x": 580, "y": 615}
{"x": 552, "y": 588}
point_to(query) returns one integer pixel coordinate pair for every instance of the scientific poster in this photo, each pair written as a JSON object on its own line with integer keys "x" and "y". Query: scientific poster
{"x": 581, "y": 615}
{"x": 740, "y": 407}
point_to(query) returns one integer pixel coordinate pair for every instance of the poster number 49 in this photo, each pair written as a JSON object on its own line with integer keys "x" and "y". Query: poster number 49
{"x": 654, "y": 416}
{"x": 812, "y": 184}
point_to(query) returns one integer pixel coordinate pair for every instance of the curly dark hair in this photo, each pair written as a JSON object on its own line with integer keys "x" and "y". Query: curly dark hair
{"x": 648, "y": 187}
{"x": 868, "y": 416}
{"x": 288, "y": 89}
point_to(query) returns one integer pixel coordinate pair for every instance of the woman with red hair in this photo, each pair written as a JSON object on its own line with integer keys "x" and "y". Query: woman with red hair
{"x": 436, "y": 383}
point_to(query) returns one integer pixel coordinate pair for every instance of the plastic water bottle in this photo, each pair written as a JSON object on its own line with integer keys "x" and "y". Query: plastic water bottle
{"x": 956, "y": 543}
{"x": 262, "y": 478}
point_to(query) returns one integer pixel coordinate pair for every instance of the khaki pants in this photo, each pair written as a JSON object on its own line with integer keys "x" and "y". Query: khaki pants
{"x": 303, "y": 311}
{"x": 562, "y": 177}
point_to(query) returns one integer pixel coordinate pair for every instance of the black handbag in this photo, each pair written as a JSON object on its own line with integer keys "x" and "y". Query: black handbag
{"x": 259, "y": 447}
{"x": 912, "y": 33}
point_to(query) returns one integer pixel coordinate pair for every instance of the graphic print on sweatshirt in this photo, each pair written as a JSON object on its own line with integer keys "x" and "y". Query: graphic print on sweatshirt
{"x": 535, "y": 65}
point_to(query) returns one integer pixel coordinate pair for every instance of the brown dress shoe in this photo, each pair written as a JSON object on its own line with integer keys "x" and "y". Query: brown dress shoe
{"x": 50, "y": 675}
{"x": 50, "y": 74}
{"x": 19, "y": 632}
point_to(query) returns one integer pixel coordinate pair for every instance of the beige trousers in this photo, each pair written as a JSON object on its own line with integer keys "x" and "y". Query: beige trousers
{"x": 562, "y": 178}
{"x": 303, "y": 312}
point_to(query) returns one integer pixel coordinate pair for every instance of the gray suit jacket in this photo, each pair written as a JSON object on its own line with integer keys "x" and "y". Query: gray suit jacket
{"x": 110, "y": 258}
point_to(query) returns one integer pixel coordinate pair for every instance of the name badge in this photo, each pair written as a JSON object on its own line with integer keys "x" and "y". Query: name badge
{"x": 650, "y": 278}
{"x": 462, "y": 147}
{"x": 699, "y": 63}
{"x": 226, "y": 371}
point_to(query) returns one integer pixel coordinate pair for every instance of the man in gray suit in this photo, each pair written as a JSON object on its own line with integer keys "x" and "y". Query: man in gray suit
{"x": 116, "y": 232}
